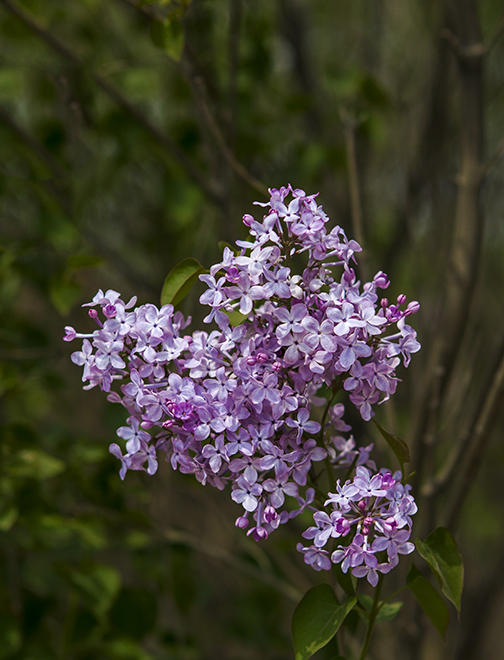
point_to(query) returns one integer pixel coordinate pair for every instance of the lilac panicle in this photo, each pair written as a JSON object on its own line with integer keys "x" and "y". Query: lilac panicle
{"x": 242, "y": 406}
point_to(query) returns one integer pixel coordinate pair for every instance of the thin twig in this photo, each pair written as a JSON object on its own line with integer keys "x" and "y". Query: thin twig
{"x": 220, "y": 553}
{"x": 480, "y": 437}
{"x": 464, "y": 256}
{"x": 350, "y": 123}
{"x": 475, "y": 432}
{"x": 197, "y": 86}
{"x": 114, "y": 92}
{"x": 194, "y": 79}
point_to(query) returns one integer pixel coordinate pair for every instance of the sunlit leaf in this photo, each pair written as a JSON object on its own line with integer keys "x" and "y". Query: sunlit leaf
{"x": 168, "y": 35}
{"x": 317, "y": 619}
{"x": 441, "y": 553}
{"x": 180, "y": 280}
{"x": 35, "y": 463}
{"x": 98, "y": 586}
{"x": 8, "y": 517}
{"x": 236, "y": 318}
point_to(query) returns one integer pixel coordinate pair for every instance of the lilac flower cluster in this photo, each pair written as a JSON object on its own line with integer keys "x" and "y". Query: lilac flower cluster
{"x": 252, "y": 405}
{"x": 377, "y": 509}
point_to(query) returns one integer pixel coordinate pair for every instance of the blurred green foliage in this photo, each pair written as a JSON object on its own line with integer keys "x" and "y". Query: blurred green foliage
{"x": 136, "y": 134}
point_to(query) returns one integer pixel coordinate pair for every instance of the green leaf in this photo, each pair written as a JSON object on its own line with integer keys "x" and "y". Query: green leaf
{"x": 389, "y": 611}
{"x": 35, "y": 463}
{"x": 386, "y": 612}
{"x": 10, "y": 635}
{"x": 98, "y": 586}
{"x": 8, "y": 517}
{"x": 317, "y": 619}
{"x": 441, "y": 553}
{"x": 223, "y": 244}
{"x": 180, "y": 280}
{"x": 168, "y": 35}
{"x": 398, "y": 446}
{"x": 64, "y": 294}
{"x": 346, "y": 580}
{"x": 429, "y": 600}
{"x": 236, "y": 318}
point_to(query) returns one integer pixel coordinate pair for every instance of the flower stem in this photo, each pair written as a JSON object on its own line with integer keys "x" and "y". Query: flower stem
{"x": 372, "y": 618}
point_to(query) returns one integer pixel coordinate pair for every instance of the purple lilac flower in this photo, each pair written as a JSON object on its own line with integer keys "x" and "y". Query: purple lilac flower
{"x": 241, "y": 406}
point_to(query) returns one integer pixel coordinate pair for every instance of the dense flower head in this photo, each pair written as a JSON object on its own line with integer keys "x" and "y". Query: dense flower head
{"x": 251, "y": 402}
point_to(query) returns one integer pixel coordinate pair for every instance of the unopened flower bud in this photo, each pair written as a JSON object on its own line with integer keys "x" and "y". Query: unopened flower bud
{"x": 270, "y": 514}
{"x": 413, "y": 307}
{"x": 242, "y": 522}
{"x": 349, "y": 275}
{"x": 401, "y": 299}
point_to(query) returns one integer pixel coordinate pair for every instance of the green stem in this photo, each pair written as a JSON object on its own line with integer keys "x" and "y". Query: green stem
{"x": 372, "y": 618}
{"x": 327, "y": 463}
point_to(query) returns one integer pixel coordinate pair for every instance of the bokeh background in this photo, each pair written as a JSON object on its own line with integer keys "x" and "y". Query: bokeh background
{"x": 134, "y": 134}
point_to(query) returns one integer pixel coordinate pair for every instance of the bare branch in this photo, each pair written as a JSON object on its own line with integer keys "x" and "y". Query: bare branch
{"x": 350, "y": 123}
{"x": 115, "y": 93}
{"x": 480, "y": 437}
{"x": 220, "y": 553}
{"x": 193, "y": 76}
{"x": 196, "y": 84}
{"x": 464, "y": 256}
{"x": 477, "y": 432}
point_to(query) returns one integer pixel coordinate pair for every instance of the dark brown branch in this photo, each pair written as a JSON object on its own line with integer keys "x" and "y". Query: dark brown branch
{"x": 235, "y": 12}
{"x": 351, "y": 123}
{"x": 114, "y": 92}
{"x": 197, "y": 86}
{"x": 464, "y": 256}
{"x": 479, "y": 438}
{"x": 476, "y": 433}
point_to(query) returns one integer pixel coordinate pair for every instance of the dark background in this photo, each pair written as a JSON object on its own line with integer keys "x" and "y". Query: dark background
{"x": 132, "y": 137}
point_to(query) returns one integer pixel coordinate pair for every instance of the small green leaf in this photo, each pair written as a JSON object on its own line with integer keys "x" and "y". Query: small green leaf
{"x": 180, "y": 280}
{"x": 389, "y": 611}
{"x": 441, "y": 553}
{"x": 429, "y": 600}
{"x": 99, "y": 586}
{"x": 8, "y": 517}
{"x": 236, "y": 318}
{"x": 223, "y": 244}
{"x": 10, "y": 636}
{"x": 64, "y": 294}
{"x": 35, "y": 463}
{"x": 386, "y": 612}
{"x": 317, "y": 619}
{"x": 398, "y": 446}
{"x": 168, "y": 35}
